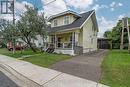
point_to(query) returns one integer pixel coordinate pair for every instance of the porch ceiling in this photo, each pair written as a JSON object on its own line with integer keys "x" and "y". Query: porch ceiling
{"x": 64, "y": 32}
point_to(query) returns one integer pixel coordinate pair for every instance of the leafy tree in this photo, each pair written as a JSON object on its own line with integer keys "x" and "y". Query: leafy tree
{"x": 27, "y": 28}
{"x": 6, "y": 31}
{"x": 30, "y": 25}
{"x": 115, "y": 35}
{"x": 108, "y": 34}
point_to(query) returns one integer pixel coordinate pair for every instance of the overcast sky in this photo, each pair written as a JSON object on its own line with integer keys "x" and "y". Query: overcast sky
{"x": 108, "y": 12}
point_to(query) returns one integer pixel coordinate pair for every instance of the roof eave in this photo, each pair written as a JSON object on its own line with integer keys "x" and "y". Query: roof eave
{"x": 87, "y": 19}
{"x": 69, "y": 29}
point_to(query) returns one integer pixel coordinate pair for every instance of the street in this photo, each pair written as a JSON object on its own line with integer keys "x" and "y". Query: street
{"x": 5, "y": 81}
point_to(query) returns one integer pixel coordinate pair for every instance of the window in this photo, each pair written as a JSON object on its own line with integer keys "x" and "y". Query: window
{"x": 55, "y": 23}
{"x": 66, "y": 20}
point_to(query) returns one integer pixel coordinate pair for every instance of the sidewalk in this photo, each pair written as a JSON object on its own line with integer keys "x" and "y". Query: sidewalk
{"x": 35, "y": 76}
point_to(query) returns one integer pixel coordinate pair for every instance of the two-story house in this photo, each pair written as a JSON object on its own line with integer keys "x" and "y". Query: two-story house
{"x": 73, "y": 33}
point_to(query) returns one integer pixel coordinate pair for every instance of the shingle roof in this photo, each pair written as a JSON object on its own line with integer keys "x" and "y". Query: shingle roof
{"x": 76, "y": 24}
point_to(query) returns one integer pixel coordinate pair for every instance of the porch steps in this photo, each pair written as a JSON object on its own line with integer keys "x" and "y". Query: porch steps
{"x": 50, "y": 50}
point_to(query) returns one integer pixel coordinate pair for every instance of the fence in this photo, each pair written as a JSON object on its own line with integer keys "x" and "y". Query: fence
{"x": 112, "y": 45}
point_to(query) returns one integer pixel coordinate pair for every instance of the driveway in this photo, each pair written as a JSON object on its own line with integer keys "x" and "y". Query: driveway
{"x": 87, "y": 66}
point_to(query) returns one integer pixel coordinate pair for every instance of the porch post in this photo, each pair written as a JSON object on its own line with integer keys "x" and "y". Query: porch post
{"x": 63, "y": 45}
{"x": 76, "y": 38}
{"x": 73, "y": 40}
{"x": 55, "y": 41}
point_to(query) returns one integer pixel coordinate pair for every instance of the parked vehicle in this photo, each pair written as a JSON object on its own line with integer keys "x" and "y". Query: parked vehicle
{"x": 18, "y": 46}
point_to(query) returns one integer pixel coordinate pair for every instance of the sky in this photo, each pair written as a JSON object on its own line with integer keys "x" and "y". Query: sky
{"x": 108, "y": 12}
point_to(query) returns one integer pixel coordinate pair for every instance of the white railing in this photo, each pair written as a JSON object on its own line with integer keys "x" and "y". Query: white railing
{"x": 64, "y": 45}
{"x": 60, "y": 45}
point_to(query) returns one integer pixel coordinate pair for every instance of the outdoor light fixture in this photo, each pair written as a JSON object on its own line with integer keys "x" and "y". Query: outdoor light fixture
{"x": 6, "y": 7}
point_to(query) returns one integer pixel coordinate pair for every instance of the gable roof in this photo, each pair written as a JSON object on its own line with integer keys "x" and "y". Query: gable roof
{"x": 64, "y": 13}
{"x": 76, "y": 24}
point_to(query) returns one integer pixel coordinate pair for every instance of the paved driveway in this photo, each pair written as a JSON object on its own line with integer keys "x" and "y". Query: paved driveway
{"x": 86, "y": 66}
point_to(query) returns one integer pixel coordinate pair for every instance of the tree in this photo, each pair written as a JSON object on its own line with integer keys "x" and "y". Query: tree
{"x": 30, "y": 25}
{"x": 3, "y": 24}
{"x": 6, "y": 31}
{"x": 108, "y": 34}
{"x": 115, "y": 35}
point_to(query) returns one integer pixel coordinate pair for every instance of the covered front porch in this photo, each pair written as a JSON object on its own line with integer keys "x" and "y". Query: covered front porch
{"x": 65, "y": 43}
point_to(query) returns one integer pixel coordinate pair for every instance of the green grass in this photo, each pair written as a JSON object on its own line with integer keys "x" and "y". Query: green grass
{"x": 40, "y": 59}
{"x": 116, "y": 69}
{"x": 17, "y": 54}
{"x": 46, "y": 60}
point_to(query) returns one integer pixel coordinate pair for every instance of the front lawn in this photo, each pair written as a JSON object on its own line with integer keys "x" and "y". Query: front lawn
{"x": 116, "y": 69}
{"x": 46, "y": 59}
{"x": 41, "y": 59}
{"x": 17, "y": 54}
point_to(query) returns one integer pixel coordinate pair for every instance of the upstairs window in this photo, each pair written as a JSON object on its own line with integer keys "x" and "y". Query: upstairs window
{"x": 66, "y": 20}
{"x": 55, "y": 23}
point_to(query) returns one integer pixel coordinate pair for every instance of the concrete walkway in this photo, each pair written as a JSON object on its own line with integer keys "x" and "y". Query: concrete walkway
{"x": 87, "y": 66}
{"x": 25, "y": 74}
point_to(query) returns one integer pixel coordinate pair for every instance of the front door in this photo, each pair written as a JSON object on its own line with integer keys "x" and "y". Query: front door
{"x": 59, "y": 42}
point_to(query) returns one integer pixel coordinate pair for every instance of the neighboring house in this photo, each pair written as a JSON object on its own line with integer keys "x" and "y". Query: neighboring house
{"x": 38, "y": 42}
{"x": 73, "y": 33}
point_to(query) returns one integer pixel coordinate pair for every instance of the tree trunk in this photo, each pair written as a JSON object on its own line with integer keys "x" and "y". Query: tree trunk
{"x": 30, "y": 45}
{"x": 33, "y": 49}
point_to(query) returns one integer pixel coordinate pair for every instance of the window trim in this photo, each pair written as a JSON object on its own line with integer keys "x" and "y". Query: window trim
{"x": 55, "y": 20}
{"x": 64, "y": 21}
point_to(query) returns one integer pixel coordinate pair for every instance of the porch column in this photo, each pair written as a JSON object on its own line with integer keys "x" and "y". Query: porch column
{"x": 76, "y": 38}
{"x": 73, "y": 40}
{"x": 55, "y": 41}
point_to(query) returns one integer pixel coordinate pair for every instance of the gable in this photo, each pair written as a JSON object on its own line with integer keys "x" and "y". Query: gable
{"x": 93, "y": 20}
{"x": 60, "y": 20}
{"x": 62, "y": 14}
{"x": 76, "y": 24}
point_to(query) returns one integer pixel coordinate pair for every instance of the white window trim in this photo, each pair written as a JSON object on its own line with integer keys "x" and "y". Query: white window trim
{"x": 54, "y": 22}
{"x": 64, "y": 20}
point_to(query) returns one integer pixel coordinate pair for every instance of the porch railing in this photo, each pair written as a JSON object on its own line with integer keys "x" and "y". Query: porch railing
{"x": 60, "y": 45}
{"x": 65, "y": 45}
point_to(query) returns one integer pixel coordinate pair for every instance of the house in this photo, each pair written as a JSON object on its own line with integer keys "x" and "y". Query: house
{"x": 73, "y": 33}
